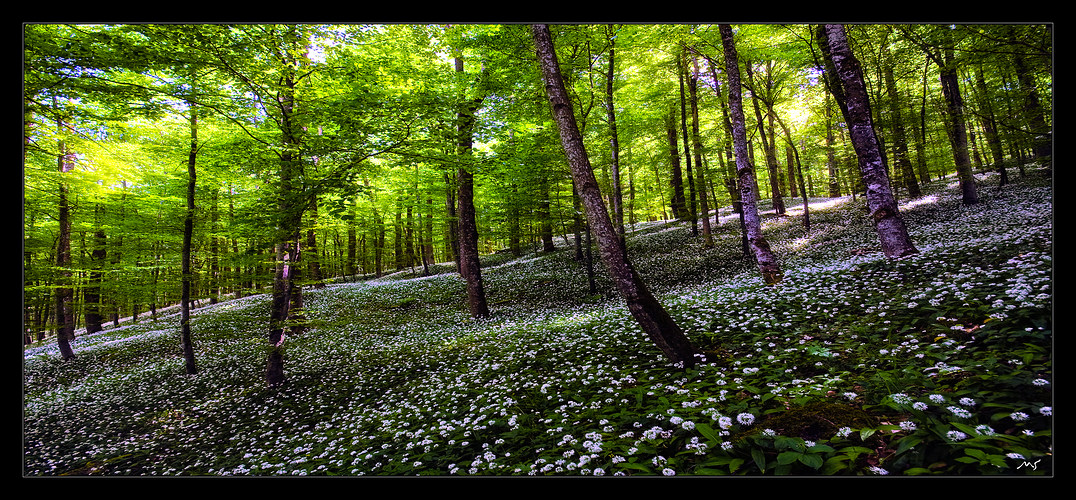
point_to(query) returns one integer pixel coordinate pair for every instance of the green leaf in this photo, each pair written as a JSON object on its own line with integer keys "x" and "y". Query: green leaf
{"x": 833, "y": 464}
{"x": 979, "y": 454}
{"x": 787, "y": 457}
{"x": 866, "y": 433}
{"x": 735, "y": 464}
{"x": 811, "y": 460}
{"x": 707, "y": 432}
{"x": 633, "y": 465}
{"x": 906, "y": 443}
{"x": 760, "y": 459}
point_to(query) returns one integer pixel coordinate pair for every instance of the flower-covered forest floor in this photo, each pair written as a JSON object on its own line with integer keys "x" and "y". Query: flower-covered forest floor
{"x": 935, "y": 364}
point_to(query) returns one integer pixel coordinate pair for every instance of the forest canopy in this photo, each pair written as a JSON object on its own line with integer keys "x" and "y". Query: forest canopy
{"x": 366, "y": 148}
{"x": 456, "y": 248}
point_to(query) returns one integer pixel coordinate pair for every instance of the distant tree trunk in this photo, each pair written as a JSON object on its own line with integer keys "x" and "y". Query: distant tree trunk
{"x": 545, "y": 218}
{"x": 696, "y": 139}
{"x": 1042, "y": 143}
{"x": 470, "y": 268}
{"x": 397, "y": 237}
{"x": 647, "y": 311}
{"x": 831, "y": 157}
{"x": 768, "y": 147}
{"x": 901, "y": 161}
{"x": 990, "y": 127}
{"x": 352, "y": 250}
{"x": 313, "y": 265}
{"x": 678, "y": 204}
{"x": 614, "y": 145}
{"x": 690, "y": 201}
{"x": 65, "y": 294}
{"x": 185, "y": 266}
{"x": 767, "y": 262}
{"x": 958, "y": 135}
{"x": 794, "y": 155}
{"x": 883, "y": 207}
{"x": 730, "y": 162}
{"x": 92, "y": 294}
{"x": 452, "y": 232}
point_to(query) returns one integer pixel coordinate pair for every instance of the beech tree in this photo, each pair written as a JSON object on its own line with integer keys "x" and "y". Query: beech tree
{"x": 745, "y": 171}
{"x": 848, "y": 84}
{"x": 647, "y": 311}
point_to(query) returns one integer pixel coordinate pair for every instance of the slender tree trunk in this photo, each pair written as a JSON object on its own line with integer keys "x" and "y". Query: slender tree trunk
{"x": 764, "y": 257}
{"x": 468, "y": 235}
{"x": 880, "y": 201}
{"x": 1042, "y": 144}
{"x": 901, "y": 160}
{"x": 310, "y": 253}
{"x": 614, "y": 145}
{"x": 990, "y": 127}
{"x": 677, "y": 202}
{"x": 831, "y": 157}
{"x": 696, "y": 139}
{"x": 452, "y": 232}
{"x": 690, "y": 201}
{"x": 647, "y": 311}
{"x": 92, "y": 294}
{"x": 729, "y": 162}
{"x": 768, "y": 147}
{"x": 65, "y": 294}
{"x": 285, "y": 284}
{"x": 188, "y": 234}
{"x": 958, "y": 134}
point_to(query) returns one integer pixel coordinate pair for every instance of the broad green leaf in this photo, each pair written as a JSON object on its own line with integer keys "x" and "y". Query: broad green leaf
{"x": 759, "y": 458}
{"x": 788, "y": 457}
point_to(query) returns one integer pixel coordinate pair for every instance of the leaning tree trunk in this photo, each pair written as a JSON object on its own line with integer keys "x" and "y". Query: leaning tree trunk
{"x": 880, "y": 201}
{"x": 647, "y": 311}
{"x": 767, "y": 262}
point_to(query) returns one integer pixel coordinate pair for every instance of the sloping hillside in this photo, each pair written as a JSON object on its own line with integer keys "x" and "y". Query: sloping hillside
{"x": 938, "y": 363}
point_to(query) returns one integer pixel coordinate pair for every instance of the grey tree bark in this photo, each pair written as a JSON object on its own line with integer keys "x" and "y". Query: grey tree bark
{"x": 647, "y": 311}
{"x": 892, "y": 233}
{"x": 760, "y": 248}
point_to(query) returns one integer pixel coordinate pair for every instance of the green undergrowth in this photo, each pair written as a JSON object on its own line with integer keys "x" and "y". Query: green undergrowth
{"x": 935, "y": 364}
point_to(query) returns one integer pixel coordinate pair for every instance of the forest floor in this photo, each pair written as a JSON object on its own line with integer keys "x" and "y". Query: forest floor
{"x": 938, "y": 363}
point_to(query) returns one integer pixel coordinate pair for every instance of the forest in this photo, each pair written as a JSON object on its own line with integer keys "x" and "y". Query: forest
{"x": 537, "y": 250}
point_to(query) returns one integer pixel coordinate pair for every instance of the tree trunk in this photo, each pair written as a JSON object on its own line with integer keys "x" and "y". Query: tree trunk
{"x": 768, "y": 147}
{"x": 614, "y": 145}
{"x": 677, "y": 202}
{"x": 901, "y": 160}
{"x": 188, "y": 234}
{"x": 470, "y": 268}
{"x": 696, "y": 139}
{"x": 990, "y": 127}
{"x": 767, "y": 262}
{"x": 647, "y": 311}
{"x": 1042, "y": 144}
{"x": 65, "y": 294}
{"x": 958, "y": 135}
{"x": 692, "y": 214}
{"x": 883, "y": 207}
{"x": 92, "y": 294}
{"x": 313, "y": 265}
